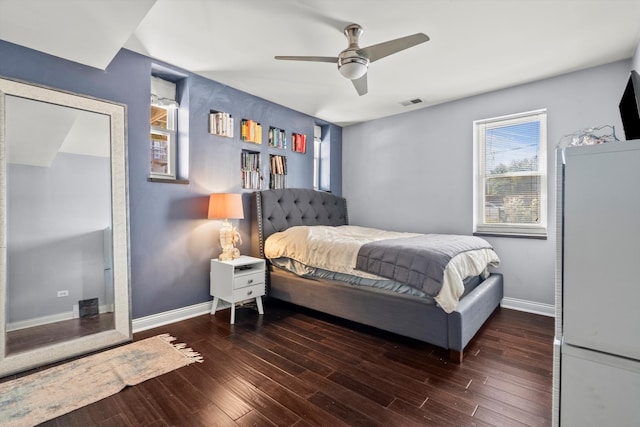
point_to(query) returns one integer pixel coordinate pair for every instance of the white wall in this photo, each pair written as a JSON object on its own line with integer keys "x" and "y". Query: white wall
{"x": 635, "y": 60}
{"x": 413, "y": 171}
{"x": 54, "y": 237}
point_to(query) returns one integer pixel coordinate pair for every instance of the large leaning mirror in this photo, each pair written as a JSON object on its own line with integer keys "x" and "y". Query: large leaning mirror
{"x": 64, "y": 259}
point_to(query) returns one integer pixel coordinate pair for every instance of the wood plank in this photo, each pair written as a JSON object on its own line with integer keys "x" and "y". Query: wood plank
{"x": 360, "y": 403}
{"x": 216, "y": 392}
{"x": 296, "y": 404}
{"x": 354, "y": 384}
{"x": 262, "y": 403}
{"x": 168, "y": 405}
{"x": 135, "y": 407}
{"x": 347, "y": 414}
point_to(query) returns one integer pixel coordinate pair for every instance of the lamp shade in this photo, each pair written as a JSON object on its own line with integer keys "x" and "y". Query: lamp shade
{"x": 225, "y": 206}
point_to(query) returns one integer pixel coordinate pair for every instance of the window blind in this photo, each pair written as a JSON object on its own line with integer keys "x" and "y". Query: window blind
{"x": 511, "y": 187}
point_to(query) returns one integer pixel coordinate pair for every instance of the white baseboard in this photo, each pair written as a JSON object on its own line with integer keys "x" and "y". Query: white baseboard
{"x": 138, "y": 325}
{"x": 529, "y": 306}
{"x": 29, "y": 323}
{"x": 160, "y": 319}
{"x": 52, "y": 318}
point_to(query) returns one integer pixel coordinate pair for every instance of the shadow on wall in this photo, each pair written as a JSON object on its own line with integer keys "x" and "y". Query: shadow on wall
{"x": 189, "y": 208}
{"x": 207, "y": 232}
{"x": 196, "y": 208}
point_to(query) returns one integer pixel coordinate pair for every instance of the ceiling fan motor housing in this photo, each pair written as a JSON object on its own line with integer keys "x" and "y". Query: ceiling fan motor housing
{"x": 352, "y": 64}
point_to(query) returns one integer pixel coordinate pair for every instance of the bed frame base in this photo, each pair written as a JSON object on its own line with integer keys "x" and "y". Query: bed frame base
{"x": 406, "y": 316}
{"x": 455, "y": 356}
{"x": 277, "y": 210}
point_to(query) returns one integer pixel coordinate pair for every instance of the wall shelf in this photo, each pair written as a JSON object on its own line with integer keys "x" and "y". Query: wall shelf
{"x": 251, "y": 131}
{"x": 299, "y": 142}
{"x": 251, "y": 171}
{"x": 277, "y": 138}
{"x": 278, "y": 171}
{"x": 221, "y": 124}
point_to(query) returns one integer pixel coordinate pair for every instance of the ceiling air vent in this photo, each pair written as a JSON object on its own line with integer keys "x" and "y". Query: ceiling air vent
{"x": 411, "y": 102}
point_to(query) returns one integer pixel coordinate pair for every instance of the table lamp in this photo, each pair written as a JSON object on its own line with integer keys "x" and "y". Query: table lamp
{"x": 227, "y": 206}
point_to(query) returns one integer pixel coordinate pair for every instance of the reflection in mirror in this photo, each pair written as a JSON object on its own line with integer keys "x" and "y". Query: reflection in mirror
{"x": 58, "y": 223}
{"x": 64, "y": 272}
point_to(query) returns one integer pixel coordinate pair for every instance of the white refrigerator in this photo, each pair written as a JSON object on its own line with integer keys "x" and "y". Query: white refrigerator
{"x": 597, "y": 345}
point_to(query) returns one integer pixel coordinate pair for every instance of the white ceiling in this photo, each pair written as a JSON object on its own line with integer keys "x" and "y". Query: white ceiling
{"x": 89, "y": 32}
{"x": 476, "y": 46}
{"x": 37, "y": 131}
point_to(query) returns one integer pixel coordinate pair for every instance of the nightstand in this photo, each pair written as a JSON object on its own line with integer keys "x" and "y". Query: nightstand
{"x": 237, "y": 280}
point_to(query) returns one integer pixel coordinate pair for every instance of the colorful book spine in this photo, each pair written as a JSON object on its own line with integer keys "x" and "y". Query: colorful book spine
{"x": 277, "y": 138}
{"x": 299, "y": 142}
{"x": 251, "y": 131}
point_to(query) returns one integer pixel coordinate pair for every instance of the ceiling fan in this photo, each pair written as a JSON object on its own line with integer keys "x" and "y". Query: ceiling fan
{"x": 354, "y": 61}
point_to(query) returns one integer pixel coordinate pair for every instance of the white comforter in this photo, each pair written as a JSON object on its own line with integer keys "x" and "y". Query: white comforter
{"x": 336, "y": 249}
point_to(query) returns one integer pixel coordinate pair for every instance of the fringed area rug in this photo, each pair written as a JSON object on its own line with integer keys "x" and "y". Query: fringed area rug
{"x": 47, "y": 394}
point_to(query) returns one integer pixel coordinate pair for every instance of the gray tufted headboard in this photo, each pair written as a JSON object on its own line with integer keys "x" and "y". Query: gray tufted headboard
{"x": 277, "y": 210}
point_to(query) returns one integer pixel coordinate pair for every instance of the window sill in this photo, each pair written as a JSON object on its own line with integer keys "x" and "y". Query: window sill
{"x": 168, "y": 180}
{"x": 511, "y": 235}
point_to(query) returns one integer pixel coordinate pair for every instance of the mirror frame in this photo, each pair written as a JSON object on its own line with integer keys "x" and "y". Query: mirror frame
{"x": 122, "y": 332}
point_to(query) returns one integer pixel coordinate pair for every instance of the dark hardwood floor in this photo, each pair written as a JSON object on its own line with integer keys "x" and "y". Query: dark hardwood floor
{"x": 296, "y": 367}
{"x": 56, "y": 332}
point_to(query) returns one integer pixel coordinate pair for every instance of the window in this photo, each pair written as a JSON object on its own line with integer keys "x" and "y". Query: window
{"x": 317, "y": 140}
{"x": 510, "y": 175}
{"x": 163, "y": 129}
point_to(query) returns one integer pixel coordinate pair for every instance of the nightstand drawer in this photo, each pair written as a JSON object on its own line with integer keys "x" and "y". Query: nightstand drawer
{"x": 248, "y": 292}
{"x": 248, "y": 280}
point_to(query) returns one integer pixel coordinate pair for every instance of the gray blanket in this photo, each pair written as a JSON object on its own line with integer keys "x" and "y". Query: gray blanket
{"x": 416, "y": 261}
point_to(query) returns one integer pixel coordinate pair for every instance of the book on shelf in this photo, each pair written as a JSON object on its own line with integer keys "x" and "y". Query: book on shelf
{"x": 251, "y": 180}
{"x": 277, "y": 138}
{"x": 278, "y": 165}
{"x": 221, "y": 123}
{"x": 299, "y": 142}
{"x": 277, "y": 181}
{"x": 251, "y": 131}
{"x": 250, "y": 160}
{"x": 250, "y": 169}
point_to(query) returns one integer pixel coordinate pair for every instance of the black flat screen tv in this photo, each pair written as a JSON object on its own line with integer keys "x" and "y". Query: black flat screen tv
{"x": 629, "y": 112}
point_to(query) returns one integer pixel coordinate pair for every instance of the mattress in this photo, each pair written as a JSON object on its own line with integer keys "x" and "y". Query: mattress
{"x": 336, "y": 249}
{"x": 375, "y": 284}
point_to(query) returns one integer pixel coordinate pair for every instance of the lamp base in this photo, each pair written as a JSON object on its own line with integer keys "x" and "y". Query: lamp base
{"x": 229, "y": 255}
{"x": 228, "y": 238}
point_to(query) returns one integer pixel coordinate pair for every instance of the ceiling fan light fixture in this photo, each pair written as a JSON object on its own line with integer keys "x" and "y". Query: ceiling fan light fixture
{"x": 353, "y": 68}
{"x": 353, "y": 62}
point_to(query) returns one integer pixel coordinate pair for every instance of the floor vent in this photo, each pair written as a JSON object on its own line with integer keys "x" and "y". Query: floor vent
{"x": 88, "y": 307}
{"x": 411, "y": 102}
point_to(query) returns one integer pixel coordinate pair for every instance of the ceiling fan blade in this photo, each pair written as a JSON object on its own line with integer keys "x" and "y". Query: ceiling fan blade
{"x": 332, "y": 59}
{"x": 378, "y": 51}
{"x": 360, "y": 85}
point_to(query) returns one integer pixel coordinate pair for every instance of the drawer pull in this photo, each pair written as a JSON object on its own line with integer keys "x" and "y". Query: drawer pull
{"x": 249, "y": 293}
{"x": 250, "y": 281}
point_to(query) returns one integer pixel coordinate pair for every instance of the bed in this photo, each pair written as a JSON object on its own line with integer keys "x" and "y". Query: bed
{"x": 279, "y": 211}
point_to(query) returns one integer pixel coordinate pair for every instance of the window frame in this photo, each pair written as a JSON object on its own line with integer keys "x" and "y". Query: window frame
{"x": 316, "y": 164}
{"x": 170, "y": 133}
{"x": 317, "y": 147}
{"x": 480, "y": 226}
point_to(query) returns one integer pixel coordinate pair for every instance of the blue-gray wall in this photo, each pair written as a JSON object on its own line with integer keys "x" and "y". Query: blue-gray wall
{"x": 420, "y": 165}
{"x": 171, "y": 241}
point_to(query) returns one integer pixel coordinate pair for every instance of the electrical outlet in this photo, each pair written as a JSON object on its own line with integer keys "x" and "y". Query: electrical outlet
{"x": 64, "y": 293}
